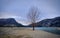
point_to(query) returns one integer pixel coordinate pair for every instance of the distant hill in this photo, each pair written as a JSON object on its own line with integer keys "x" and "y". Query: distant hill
{"x": 10, "y": 22}
{"x": 54, "y": 22}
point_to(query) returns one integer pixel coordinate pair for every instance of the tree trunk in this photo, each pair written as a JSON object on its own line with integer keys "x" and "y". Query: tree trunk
{"x": 33, "y": 28}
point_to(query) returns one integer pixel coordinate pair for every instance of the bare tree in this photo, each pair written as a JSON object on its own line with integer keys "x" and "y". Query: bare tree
{"x": 33, "y": 16}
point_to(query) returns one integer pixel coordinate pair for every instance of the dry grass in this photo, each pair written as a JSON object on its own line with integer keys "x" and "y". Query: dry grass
{"x": 14, "y": 36}
{"x": 25, "y": 33}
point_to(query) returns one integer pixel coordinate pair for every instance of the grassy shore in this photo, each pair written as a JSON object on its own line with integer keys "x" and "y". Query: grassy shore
{"x": 15, "y": 32}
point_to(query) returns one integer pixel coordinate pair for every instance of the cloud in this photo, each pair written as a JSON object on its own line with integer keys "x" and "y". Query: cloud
{"x": 18, "y": 9}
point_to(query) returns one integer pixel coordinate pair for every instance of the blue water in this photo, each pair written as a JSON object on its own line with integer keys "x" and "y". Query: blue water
{"x": 48, "y": 29}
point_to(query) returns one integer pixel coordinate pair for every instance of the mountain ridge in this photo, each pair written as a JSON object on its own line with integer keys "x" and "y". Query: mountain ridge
{"x": 53, "y": 22}
{"x": 11, "y": 22}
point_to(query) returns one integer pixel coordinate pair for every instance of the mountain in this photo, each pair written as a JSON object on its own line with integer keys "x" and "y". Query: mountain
{"x": 54, "y": 22}
{"x": 9, "y": 23}
{"x": 44, "y": 23}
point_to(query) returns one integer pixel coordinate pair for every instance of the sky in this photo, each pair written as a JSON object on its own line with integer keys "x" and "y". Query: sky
{"x": 19, "y": 9}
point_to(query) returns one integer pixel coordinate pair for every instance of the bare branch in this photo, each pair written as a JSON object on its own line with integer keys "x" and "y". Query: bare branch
{"x": 33, "y": 14}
